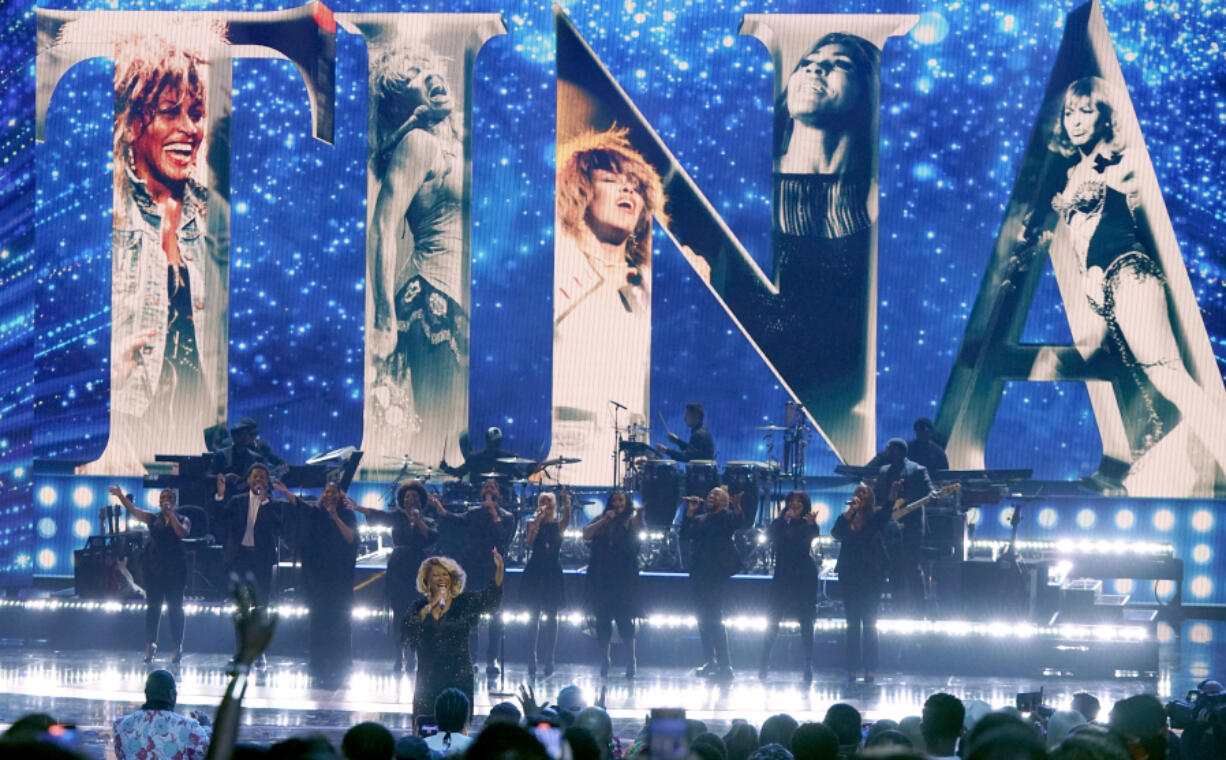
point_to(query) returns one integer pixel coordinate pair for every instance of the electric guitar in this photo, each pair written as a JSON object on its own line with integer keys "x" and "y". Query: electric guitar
{"x": 902, "y": 509}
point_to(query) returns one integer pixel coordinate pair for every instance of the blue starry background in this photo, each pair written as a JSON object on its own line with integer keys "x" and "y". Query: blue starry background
{"x": 960, "y": 95}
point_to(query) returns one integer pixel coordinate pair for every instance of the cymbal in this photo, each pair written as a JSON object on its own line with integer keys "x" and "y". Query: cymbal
{"x": 519, "y": 481}
{"x": 328, "y": 456}
{"x": 560, "y": 460}
{"x": 493, "y": 475}
{"x": 772, "y": 427}
{"x": 517, "y": 460}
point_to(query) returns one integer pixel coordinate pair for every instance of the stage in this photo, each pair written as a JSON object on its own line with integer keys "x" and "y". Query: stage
{"x": 92, "y": 687}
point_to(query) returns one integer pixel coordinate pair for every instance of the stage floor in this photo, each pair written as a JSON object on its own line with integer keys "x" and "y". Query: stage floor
{"x": 92, "y": 688}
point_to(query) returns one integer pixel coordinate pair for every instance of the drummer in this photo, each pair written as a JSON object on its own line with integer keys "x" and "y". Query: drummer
{"x": 479, "y": 465}
{"x": 700, "y": 446}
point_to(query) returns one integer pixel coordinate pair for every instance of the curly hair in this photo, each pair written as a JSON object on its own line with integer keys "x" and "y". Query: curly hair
{"x": 458, "y": 576}
{"x": 1107, "y": 130}
{"x": 611, "y": 151}
{"x": 423, "y": 497}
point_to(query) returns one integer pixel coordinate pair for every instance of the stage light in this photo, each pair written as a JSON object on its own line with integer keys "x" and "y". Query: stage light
{"x": 1202, "y": 553}
{"x": 19, "y": 472}
{"x": 1164, "y": 588}
{"x": 1164, "y": 520}
{"x": 83, "y": 497}
{"x": 1165, "y": 634}
{"x": 1123, "y": 585}
{"x": 1006, "y": 517}
{"x": 1048, "y": 517}
{"x": 46, "y": 559}
{"x": 82, "y": 528}
{"x": 1086, "y": 518}
{"x": 1201, "y": 586}
{"x": 1202, "y": 521}
{"x": 152, "y": 498}
{"x": 47, "y": 496}
{"x": 372, "y": 500}
{"x": 973, "y": 516}
{"x": 1124, "y": 519}
{"x": 46, "y": 527}
{"x": 1200, "y": 634}
{"x": 761, "y": 538}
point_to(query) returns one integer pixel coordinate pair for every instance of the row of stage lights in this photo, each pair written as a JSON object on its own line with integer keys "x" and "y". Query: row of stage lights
{"x": 739, "y": 623}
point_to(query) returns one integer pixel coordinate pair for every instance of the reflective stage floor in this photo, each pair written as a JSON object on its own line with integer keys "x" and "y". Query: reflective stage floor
{"x": 92, "y": 688}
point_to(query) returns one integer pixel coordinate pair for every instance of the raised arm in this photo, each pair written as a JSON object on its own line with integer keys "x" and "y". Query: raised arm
{"x": 139, "y": 514}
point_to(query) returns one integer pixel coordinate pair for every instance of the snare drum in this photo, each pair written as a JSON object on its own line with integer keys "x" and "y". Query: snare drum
{"x": 660, "y": 490}
{"x": 701, "y": 475}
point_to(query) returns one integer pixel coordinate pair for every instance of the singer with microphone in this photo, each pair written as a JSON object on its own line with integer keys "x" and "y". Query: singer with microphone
{"x": 438, "y": 628}
{"x": 252, "y": 523}
{"x": 862, "y": 569}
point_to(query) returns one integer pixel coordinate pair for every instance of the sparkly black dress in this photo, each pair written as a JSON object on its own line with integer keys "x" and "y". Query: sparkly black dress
{"x": 443, "y": 657}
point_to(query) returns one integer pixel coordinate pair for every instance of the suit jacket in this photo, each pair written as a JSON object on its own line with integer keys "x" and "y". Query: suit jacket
{"x": 267, "y": 527}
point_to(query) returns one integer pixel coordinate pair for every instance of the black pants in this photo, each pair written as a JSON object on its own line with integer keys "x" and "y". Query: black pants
{"x": 604, "y": 627}
{"x": 709, "y": 609}
{"x": 772, "y": 632}
{"x": 330, "y": 634}
{"x": 169, "y": 590}
{"x": 245, "y": 563}
{"x": 910, "y": 586}
{"x": 862, "y": 607}
{"x": 543, "y": 647}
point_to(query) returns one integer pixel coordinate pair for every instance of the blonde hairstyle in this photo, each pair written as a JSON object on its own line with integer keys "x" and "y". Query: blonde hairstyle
{"x": 579, "y": 158}
{"x": 458, "y": 576}
{"x": 393, "y": 67}
{"x": 1107, "y": 128}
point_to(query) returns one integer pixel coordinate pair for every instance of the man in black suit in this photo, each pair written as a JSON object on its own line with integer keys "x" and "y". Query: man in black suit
{"x": 252, "y": 521}
{"x": 701, "y": 444}
{"x": 903, "y": 479}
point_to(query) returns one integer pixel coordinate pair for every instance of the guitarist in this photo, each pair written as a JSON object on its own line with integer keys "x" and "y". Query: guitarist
{"x": 901, "y": 482}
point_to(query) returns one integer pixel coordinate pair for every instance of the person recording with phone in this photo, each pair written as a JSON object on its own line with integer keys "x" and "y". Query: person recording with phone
{"x": 715, "y": 560}
{"x": 439, "y": 625}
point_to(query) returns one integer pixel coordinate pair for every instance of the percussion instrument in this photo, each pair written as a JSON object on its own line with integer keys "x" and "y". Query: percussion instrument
{"x": 660, "y": 491}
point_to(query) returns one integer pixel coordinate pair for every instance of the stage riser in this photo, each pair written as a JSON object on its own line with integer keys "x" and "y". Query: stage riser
{"x": 927, "y": 653}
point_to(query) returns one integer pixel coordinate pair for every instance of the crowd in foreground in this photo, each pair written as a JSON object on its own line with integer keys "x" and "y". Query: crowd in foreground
{"x": 1136, "y": 728}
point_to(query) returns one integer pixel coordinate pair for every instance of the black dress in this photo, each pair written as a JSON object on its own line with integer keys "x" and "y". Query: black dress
{"x": 410, "y": 549}
{"x": 444, "y": 660}
{"x": 793, "y": 589}
{"x": 862, "y": 570}
{"x": 328, "y": 572}
{"x": 541, "y": 585}
{"x": 613, "y": 573}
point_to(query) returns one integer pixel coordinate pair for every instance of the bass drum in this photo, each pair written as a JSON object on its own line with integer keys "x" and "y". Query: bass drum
{"x": 660, "y": 491}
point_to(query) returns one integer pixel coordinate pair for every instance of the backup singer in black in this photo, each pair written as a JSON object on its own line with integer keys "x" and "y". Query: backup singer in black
{"x": 329, "y": 551}
{"x": 438, "y": 628}
{"x": 484, "y": 528}
{"x": 613, "y": 575}
{"x": 861, "y": 568}
{"x": 793, "y": 590}
{"x": 714, "y": 561}
{"x": 413, "y": 536}
{"x": 165, "y": 567}
{"x": 541, "y": 584}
